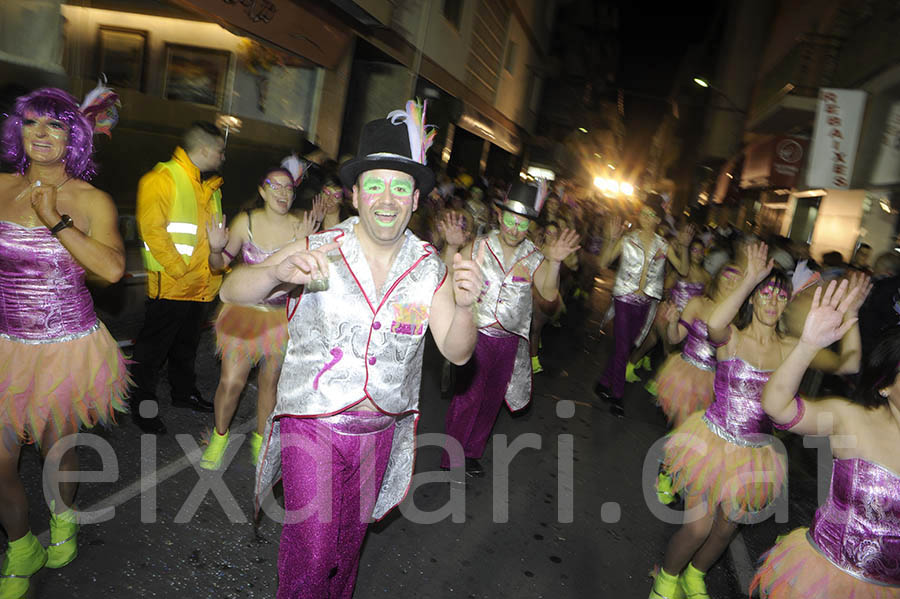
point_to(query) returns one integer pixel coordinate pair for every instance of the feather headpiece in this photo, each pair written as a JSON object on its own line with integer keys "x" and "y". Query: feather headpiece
{"x": 296, "y": 167}
{"x": 803, "y": 277}
{"x": 421, "y": 136}
{"x": 100, "y": 107}
{"x": 541, "y": 196}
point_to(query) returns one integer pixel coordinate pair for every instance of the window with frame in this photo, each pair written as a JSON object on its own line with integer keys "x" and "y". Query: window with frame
{"x": 452, "y": 10}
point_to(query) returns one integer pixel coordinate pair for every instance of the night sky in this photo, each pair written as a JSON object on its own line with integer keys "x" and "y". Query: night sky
{"x": 654, "y": 39}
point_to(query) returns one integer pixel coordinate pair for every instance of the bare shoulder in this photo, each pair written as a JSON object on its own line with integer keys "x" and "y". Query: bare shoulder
{"x": 90, "y": 200}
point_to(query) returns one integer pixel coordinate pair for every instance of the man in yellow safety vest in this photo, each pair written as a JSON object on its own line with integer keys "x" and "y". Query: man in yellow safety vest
{"x": 174, "y": 206}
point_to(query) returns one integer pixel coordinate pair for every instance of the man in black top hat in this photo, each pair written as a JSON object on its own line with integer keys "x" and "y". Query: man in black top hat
{"x": 341, "y": 435}
{"x": 501, "y": 366}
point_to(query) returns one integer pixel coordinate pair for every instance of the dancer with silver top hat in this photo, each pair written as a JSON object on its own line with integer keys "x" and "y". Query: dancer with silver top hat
{"x": 638, "y": 288}
{"x": 501, "y": 368}
{"x": 341, "y": 435}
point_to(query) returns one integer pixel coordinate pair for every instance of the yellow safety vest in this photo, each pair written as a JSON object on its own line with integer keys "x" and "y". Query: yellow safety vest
{"x": 183, "y": 219}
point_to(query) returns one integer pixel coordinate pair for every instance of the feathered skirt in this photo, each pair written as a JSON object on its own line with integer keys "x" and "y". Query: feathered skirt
{"x": 683, "y": 389}
{"x": 794, "y": 569}
{"x": 742, "y": 479}
{"x": 69, "y": 384}
{"x": 251, "y": 333}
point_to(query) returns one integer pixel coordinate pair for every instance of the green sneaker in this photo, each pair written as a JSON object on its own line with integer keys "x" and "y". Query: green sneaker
{"x": 255, "y": 445}
{"x": 536, "y": 365}
{"x": 692, "y": 583}
{"x": 24, "y": 558}
{"x": 645, "y": 364}
{"x": 212, "y": 455}
{"x": 630, "y": 375}
{"x": 63, "y": 546}
{"x": 664, "y": 489}
{"x": 666, "y": 586}
{"x": 652, "y": 388}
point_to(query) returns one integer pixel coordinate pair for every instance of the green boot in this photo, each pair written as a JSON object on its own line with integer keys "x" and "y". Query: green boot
{"x": 645, "y": 363}
{"x": 536, "y": 365}
{"x": 215, "y": 451}
{"x": 666, "y": 586}
{"x": 692, "y": 583}
{"x": 652, "y": 387}
{"x": 664, "y": 489}
{"x": 24, "y": 558}
{"x": 255, "y": 445}
{"x": 63, "y": 546}
{"x": 630, "y": 376}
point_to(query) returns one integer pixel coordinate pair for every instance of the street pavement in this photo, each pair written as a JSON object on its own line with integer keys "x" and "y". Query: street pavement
{"x": 576, "y": 523}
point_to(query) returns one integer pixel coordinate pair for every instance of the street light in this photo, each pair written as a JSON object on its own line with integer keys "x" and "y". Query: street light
{"x": 582, "y": 129}
{"x": 706, "y": 84}
{"x": 627, "y": 188}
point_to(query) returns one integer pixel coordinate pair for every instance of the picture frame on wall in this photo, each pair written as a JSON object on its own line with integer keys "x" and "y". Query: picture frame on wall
{"x": 122, "y": 56}
{"x": 196, "y": 74}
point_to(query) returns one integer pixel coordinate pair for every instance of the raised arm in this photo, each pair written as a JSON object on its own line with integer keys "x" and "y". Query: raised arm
{"x": 252, "y": 284}
{"x": 546, "y": 278}
{"x": 224, "y": 242}
{"x": 678, "y": 253}
{"x": 613, "y": 233}
{"x": 719, "y": 322}
{"x": 450, "y": 226}
{"x": 849, "y": 359}
{"x": 675, "y": 331}
{"x": 452, "y": 319}
{"x": 826, "y": 322}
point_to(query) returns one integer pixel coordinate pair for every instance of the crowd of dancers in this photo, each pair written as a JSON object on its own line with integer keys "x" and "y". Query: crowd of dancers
{"x": 332, "y": 305}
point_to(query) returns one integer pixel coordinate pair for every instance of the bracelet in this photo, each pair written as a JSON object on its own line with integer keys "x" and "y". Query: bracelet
{"x": 801, "y": 410}
{"x": 227, "y": 253}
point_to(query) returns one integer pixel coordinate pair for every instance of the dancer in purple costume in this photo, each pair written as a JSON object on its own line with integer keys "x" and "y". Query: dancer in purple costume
{"x": 251, "y": 335}
{"x": 852, "y": 547}
{"x": 723, "y": 461}
{"x": 638, "y": 288}
{"x": 60, "y": 370}
{"x": 342, "y": 432}
{"x": 685, "y": 381}
{"x": 501, "y": 368}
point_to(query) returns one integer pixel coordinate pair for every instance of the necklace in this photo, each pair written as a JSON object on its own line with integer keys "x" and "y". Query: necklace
{"x": 32, "y": 184}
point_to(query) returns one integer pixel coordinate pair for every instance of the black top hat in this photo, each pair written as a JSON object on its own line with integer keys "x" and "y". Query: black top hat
{"x": 524, "y": 199}
{"x": 385, "y": 144}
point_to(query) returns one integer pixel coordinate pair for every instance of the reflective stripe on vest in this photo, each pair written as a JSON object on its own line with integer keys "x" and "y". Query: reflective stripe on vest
{"x": 183, "y": 218}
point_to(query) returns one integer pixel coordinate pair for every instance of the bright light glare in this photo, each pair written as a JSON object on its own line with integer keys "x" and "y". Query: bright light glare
{"x": 612, "y": 186}
{"x": 627, "y": 188}
{"x": 541, "y": 173}
{"x": 611, "y": 166}
{"x": 599, "y": 182}
{"x": 582, "y": 129}
{"x": 701, "y": 82}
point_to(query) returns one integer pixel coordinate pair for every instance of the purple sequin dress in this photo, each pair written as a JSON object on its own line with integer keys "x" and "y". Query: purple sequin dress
{"x": 685, "y": 381}
{"x": 726, "y": 454}
{"x": 58, "y": 363}
{"x": 682, "y": 292}
{"x": 253, "y": 333}
{"x": 852, "y": 547}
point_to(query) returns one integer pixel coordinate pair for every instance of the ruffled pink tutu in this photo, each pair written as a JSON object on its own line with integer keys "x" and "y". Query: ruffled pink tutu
{"x": 252, "y": 333}
{"x": 683, "y": 389}
{"x": 78, "y": 383}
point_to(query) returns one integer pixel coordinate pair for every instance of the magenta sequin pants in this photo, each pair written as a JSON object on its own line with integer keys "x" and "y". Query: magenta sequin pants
{"x": 332, "y": 470}
{"x": 480, "y": 390}
{"x": 627, "y": 324}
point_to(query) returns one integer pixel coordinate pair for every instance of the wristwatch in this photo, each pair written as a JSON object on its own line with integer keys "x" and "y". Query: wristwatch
{"x": 65, "y": 221}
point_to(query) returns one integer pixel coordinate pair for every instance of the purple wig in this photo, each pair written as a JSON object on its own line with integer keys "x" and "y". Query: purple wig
{"x": 57, "y": 104}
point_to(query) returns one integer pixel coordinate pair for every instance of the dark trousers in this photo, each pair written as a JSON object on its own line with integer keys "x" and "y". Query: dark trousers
{"x": 171, "y": 332}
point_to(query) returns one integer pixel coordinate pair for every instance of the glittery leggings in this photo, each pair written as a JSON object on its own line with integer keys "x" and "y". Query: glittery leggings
{"x": 332, "y": 470}
{"x": 480, "y": 391}
{"x": 627, "y": 324}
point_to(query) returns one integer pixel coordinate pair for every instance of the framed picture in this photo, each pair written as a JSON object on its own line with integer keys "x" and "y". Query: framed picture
{"x": 195, "y": 74}
{"x": 122, "y": 56}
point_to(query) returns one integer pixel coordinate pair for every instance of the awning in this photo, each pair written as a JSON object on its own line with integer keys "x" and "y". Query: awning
{"x": 481, "y": 125}
{"x": 283, "y": 23}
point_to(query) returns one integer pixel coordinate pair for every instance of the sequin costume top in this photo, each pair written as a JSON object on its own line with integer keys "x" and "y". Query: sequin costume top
{"x": 697, "y": 350}
{"x": 253, "y": 254}
{"x": 858, "y": 527}
{"x": 737, "y": 415}
{"x": 43, "y": 298}
{"x": 682, "y": 292}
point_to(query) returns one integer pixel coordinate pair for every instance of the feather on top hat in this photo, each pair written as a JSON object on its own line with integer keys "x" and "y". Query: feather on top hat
{"x": 399, "y": 143}
{"x": 524, "y": 199}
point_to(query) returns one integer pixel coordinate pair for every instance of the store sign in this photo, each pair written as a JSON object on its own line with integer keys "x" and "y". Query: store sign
{"x": 788, "y": 155}
{"x": 835, "y": 137}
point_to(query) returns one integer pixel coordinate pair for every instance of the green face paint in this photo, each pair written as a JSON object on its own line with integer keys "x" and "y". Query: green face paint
{"x": 401, "y": 188}
{"x": 373, "y": 185}
{"x": 510, "y": 221}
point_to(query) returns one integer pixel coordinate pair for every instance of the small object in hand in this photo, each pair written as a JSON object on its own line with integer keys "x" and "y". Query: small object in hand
{"x": 319, "y": 283}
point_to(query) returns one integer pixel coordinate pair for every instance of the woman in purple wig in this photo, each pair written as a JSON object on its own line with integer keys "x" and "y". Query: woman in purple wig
{"x": 60, "y": 369}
